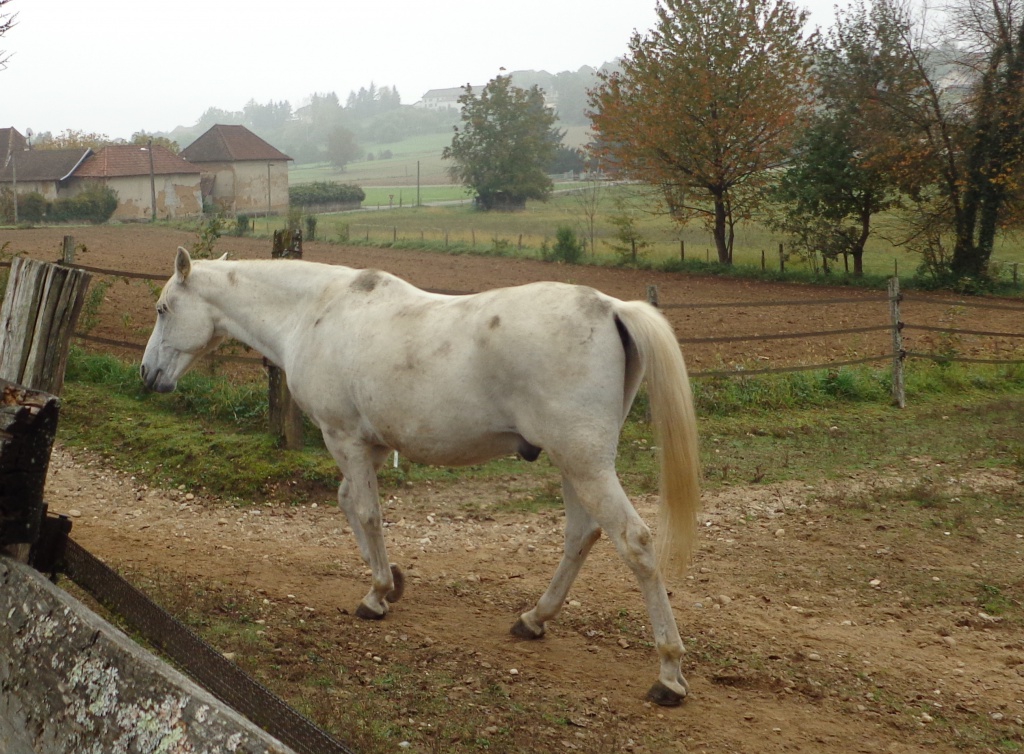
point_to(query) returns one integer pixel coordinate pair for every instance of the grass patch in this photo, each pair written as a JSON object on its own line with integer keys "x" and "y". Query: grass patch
{"x": 210, "y": 434}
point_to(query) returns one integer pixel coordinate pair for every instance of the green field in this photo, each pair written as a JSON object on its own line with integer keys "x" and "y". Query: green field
{"x": 415, "y": 174}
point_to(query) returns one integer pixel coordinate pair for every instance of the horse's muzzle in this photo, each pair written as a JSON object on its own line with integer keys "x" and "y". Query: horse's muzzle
{"x": 153, "y": 380}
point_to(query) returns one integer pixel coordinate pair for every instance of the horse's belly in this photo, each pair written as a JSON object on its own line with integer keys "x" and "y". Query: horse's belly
{"x": 453, "y": 449}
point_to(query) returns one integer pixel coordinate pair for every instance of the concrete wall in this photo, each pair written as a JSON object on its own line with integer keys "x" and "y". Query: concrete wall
{"x": 241, "y": 187}
{"x": 70, "y": 683}
{"x": 176, "y": 196}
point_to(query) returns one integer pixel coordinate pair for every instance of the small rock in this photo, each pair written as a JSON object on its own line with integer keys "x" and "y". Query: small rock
{"x": 814, "y": 657}
{"x": 780, "y": 532}
{"x": 75, "y": 513}
{"x": 875, "y": 582}
{"x": 926, "y": 718}
{"x": 623, "y": 643}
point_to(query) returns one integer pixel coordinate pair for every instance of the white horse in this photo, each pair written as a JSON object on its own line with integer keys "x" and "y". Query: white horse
{"x": 380, "y": 365}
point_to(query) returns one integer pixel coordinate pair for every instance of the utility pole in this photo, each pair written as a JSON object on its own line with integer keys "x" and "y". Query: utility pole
{"x": 152, "y": 184}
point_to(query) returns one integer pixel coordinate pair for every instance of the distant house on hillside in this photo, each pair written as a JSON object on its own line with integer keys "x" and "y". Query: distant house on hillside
{"x": 135, "y": 173}
{"x": 444, "y": 99}
{"x": 45, "y": 171}
{"x": 241, "y": 173}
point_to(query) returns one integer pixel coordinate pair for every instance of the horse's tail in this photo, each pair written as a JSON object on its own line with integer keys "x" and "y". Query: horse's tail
{"x": 675, "y": 425}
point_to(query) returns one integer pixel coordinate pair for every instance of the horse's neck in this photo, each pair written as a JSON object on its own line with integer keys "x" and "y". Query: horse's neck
{"x": 261, "y": 303}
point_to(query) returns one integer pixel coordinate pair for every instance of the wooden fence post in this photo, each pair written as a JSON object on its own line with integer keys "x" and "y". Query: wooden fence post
{"x": 899, "y": 393}
{"x": 782, "y": 259}
{"x": 285, "y": 417}
{"x": 37, "y": 320}
{"x": 652, "y": 295}
{"x": 67, "y": 255}
{"x": 28, "y": 425}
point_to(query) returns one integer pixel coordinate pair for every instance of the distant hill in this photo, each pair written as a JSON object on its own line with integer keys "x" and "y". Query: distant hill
{"x": 375, "y": 116}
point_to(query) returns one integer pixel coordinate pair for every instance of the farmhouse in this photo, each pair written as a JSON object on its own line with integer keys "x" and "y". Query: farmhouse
{"x": 47, "y": 172}
{"x": 444, "y": 99}
{"x": 241, "y": 173}
{"x": 138, "y": 174}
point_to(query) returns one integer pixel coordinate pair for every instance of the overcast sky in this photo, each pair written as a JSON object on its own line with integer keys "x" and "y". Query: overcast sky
{"x": 116, "y": 67}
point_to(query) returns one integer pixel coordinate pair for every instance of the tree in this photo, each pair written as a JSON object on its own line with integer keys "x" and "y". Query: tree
{"x": 952, "y": 126}
{"x": 71, "y": 139}
{"x": 849, "y": 162}
{"x": 143, "y": 139}
{"x": 829, "y": 193}
{"x": 705, "y": 104}
{"x": 506, "y": 141}
{"x": 6, "y": 22}
{"x": 342, "y": 147}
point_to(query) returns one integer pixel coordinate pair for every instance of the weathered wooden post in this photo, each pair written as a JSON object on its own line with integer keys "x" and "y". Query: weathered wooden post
{"x": 67, "y": 250}
{"x": 37, "y": 321}
{"x": 28, "y": 425}
{"x": 285, "y": 416}
{"x": 899, "y": 393}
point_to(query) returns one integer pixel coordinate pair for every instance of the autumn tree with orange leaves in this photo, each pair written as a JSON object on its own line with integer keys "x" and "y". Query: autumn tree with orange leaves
{"x": 705, "y": 104}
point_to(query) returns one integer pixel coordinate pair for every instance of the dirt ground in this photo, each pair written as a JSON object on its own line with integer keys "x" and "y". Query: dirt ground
{"x": 833, "y": 616}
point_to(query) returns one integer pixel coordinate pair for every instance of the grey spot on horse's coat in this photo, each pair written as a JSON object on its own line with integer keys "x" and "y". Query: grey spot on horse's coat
{"x": 318, "y": 321}
{"x": 232, "y": 278}
{"x": 527, "y": 451}
{"x": 495, "y": 322}
{"x": 366, "y": 280}
{"x": 593, "y": 305}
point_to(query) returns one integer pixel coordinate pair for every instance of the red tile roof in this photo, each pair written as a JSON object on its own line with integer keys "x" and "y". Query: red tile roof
{"x": 125, "y": 160}
{"x": 231, "y": 144}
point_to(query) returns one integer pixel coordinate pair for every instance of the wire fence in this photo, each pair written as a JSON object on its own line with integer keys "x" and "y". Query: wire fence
{"x": 897, "y": 328}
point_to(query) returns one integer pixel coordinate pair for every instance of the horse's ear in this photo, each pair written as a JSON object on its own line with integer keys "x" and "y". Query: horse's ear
{"x": 223, "y": 257}
{"x": 182, "y": 264}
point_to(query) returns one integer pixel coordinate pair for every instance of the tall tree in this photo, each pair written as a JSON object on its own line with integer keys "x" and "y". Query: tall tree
{"x": 848, "y": 162}
{"x": 506, "y": 141}
{"x": 830, "y": 192}
{"x": 705, "y": 104}
{"x": 947, "y": 122}
{"x": 342, "y": 147}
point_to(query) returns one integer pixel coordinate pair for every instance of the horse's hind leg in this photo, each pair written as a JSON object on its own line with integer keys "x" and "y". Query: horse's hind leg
{"x": 357, "y": 496}
{"x": 581, "y": 532}
{"x": 603, "y": 497}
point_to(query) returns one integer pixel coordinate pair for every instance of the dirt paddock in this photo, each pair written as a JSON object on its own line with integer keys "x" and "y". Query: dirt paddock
{"x": 828, "y": 616}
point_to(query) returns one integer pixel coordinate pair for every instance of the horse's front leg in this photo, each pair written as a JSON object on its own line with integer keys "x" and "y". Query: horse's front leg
{"x": 358, "y": 498}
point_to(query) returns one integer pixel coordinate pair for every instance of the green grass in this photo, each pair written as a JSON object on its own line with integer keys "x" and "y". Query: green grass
{"x": 209, "y": 435}
{"x": 463, "y": 229}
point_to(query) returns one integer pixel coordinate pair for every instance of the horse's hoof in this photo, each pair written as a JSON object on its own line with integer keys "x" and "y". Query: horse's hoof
{"x": 523, "y": 631}
{"x": 367, "y": 614}
{"x": 663, "y": 696}
{"x": 399, "y": 578}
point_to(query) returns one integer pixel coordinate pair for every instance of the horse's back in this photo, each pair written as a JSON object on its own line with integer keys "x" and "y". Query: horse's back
{"x": 481, "y": 371}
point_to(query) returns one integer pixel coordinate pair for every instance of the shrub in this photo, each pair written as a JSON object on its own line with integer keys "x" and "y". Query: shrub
{"x": 310, "y": 227}
{"x": 31, "y": 207}
{"x": 96, "y": 204}
{"x": 325, "y": 192}
{"x": 568, "y": 246}
{"x": 241, "y": 225}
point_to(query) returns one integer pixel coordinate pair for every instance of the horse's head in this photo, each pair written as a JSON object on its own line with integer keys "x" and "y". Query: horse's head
{"x": 185, "y": 329}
